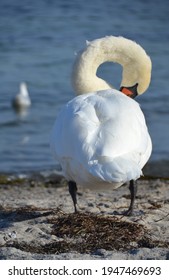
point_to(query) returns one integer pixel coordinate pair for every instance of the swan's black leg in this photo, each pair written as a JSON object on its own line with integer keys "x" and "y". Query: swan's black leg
{"x": 73, "y": 191}
{"x": 133, "y": 191}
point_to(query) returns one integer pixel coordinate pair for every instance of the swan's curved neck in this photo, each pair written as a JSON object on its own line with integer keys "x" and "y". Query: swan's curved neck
{"x": 135, "y": 62}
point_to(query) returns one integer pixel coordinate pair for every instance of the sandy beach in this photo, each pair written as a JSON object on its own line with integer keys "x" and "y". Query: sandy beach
{"x": 37, "y": 220}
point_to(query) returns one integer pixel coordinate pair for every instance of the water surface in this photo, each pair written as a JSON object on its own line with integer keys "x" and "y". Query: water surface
{"x": 38, "y": 42}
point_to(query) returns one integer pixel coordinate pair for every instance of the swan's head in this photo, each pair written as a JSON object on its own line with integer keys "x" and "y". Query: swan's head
{"x": 134, "y": 60}
{"x": 137, "y": 66}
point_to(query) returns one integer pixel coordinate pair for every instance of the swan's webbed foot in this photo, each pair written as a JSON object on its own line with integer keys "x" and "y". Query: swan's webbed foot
{"x": 73, "y": 191}
{"x": 128, "y": 212}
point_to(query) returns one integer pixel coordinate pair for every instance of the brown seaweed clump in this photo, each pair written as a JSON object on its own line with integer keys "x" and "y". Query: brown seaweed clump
{"x": 90, "y": 232}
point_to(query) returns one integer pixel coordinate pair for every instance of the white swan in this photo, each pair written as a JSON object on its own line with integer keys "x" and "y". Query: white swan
{"x": 100, "y": 137}
{"x": 22, "y": 100}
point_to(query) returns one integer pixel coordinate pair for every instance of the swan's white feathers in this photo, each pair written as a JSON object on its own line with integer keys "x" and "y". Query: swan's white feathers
{"x": 102, "y": 136}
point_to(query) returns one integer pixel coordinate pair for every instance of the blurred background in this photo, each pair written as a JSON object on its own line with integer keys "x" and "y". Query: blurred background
{"x": 38, "y": 42}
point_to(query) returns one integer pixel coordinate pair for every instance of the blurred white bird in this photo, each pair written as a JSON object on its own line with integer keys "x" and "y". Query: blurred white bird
{"x": 22, "y": 100}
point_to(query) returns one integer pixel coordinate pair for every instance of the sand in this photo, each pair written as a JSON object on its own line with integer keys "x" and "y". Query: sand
{"x": 37, "y": 220}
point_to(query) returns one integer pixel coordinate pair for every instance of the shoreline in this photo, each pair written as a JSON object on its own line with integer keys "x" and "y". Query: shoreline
{"x": 153, "y": 169}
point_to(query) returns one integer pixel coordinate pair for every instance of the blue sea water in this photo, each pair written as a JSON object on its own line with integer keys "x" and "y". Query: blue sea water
{"x": 38, "y": 42}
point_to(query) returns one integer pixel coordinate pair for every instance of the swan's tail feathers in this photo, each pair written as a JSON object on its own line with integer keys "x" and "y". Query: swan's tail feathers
{"x": 118, "y": 170}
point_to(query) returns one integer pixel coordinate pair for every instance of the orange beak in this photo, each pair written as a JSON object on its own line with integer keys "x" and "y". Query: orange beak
{"x": 127, "y": 92}
{"x": 130, "y": 91}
